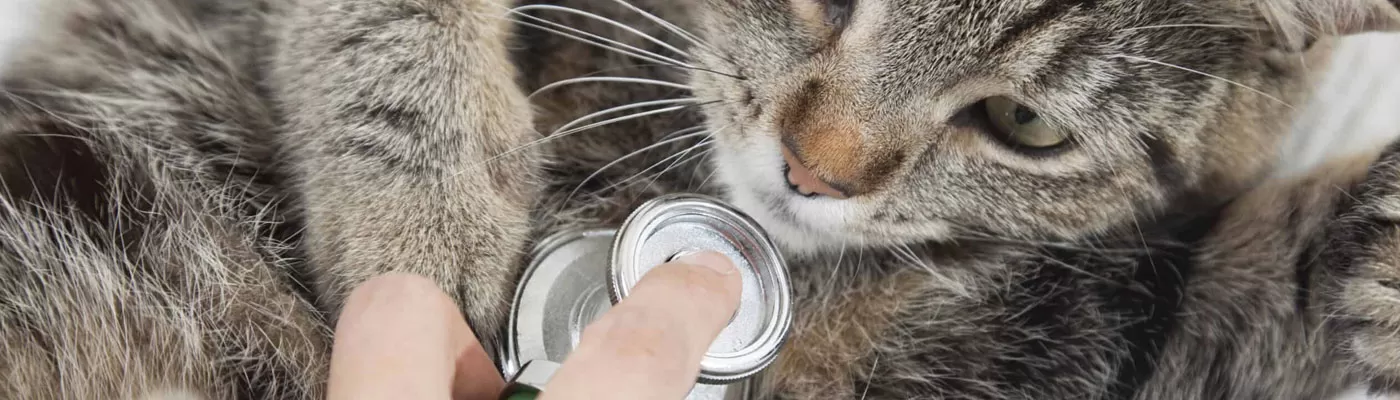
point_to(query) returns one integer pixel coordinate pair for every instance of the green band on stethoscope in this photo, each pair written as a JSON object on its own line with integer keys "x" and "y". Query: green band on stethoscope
{"x": 530, "y": 381}
{"x": 520, "y": 395}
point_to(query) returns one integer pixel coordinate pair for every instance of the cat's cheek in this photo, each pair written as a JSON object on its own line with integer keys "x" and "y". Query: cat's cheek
{"x": 748, "y": 160}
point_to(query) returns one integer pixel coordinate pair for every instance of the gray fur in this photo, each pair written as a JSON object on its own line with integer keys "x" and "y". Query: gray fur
{"x": 191, "y": 186}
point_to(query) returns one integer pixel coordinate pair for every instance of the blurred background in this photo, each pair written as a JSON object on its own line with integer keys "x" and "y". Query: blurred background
{"x": 1358, "y": 105}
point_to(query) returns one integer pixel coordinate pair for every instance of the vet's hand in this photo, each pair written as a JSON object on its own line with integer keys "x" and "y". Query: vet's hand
{"x": 401, "y": 337}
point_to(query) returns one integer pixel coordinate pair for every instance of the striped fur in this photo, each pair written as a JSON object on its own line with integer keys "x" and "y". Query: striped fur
{"x": 189, "y": 187}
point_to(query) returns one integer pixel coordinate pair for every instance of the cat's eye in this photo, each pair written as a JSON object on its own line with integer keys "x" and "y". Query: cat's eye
{"x": 838, "y": 12}
{"x": 1020, "y": 126}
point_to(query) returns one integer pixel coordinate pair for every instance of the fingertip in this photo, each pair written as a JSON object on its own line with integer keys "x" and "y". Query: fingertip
{"x": 396, "y": 288}
{"x": 730, "y": 283}
{"x": 651, "y": 343}
{"x": 700, "y": 292}
{"x": 713, "y": 260}
{"x": 401, "y": 335}
{"x": 391, "y": 339}
{"x": 393, "y": 294}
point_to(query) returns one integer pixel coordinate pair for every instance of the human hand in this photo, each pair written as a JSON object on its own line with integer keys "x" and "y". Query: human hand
{"x": 402, "y": 337}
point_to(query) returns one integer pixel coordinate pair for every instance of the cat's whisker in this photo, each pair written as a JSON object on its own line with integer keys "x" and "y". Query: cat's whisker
{"x": 603, "y": 19}
{"x": 628, "y": 68}
{"x": 627, "y": 118}
{"x": 690, "y": 184}
{"x": 558, "y": 135}
{"x": 625, "y": 157}
{"x": 666, "y": 24}
{"x": 1236, "y": 84}
{"x": 836, "y": 269}
{"x": 979, "y": 237}
{"x": 612, "y": 79}
{"x": 580, "y": 120}
{"x": 682, "y": 132}
{"x": 599, "y": 41}
{"x": 654, "y": 63}
{"x": 676, "y": 159}
{"x": 688, "y": 159}
{"x": 625, "y": 49}
{"x": 708, "y": 177}
{"x": 908, "y": 257}
{"x": 1063, "y": 246}
{"x": 1167, "y": 26}
{"x": 679, "y": 157}
{"x": 724, "y": 74}
{"x": 908, "y": 254}
{"x": 698, "y": 157}
{"x": 638, "y": 56}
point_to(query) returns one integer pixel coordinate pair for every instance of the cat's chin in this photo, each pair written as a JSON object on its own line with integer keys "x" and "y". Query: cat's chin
{"x": 787, "y": 229}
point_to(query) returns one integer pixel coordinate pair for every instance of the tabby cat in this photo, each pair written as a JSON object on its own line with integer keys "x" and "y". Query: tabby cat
{"x": 980, "y": 199}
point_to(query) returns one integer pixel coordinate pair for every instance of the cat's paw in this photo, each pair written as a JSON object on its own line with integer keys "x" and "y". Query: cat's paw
{"x": 1362, "y": 285}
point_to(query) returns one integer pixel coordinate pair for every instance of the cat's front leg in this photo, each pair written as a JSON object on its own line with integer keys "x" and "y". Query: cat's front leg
{"x": 1360, "y": 276}
{"x": 402, "y": 118}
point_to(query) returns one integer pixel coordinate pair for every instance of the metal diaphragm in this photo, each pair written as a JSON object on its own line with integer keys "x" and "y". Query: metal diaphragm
{"x": 576, "y": 276}
{"x": 677, "y": 224}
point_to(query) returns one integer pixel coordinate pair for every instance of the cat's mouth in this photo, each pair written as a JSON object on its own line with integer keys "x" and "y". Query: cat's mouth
{"x": 799, "y": 211}
{"x": 788, "y": 218}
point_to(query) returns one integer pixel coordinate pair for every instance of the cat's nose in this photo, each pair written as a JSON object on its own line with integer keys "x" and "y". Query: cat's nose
{"x": 804, "y": 182}
{"x": 828, "y": 147}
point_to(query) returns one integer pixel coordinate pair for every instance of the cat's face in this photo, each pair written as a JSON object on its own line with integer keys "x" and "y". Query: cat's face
{"x": 929, "y": 119}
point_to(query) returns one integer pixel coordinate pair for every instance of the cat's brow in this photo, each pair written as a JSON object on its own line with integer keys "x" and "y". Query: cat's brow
{"x": 1035, "y": 19}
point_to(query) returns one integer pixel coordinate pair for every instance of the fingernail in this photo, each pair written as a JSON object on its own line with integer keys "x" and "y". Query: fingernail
{"x": 713, "y": 260}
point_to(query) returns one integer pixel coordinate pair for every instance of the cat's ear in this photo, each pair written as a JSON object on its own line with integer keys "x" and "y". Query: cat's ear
{"x": 1304, "y": 20}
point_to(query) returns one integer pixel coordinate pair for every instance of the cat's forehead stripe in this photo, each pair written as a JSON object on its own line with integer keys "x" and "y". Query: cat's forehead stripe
{"x": 1038, "y": 17}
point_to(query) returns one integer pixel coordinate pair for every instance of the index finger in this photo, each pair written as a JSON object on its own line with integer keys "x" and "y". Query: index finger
{"x": 400, "y": 337}
{"x": 650, "y": 345}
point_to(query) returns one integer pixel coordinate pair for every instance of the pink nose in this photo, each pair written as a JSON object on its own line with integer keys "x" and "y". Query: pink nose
{"x": 804, "y": 181}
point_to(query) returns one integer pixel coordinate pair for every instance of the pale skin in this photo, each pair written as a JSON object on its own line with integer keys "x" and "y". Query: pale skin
{"x": 401, "y": 337}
